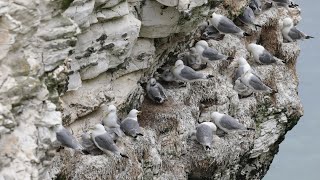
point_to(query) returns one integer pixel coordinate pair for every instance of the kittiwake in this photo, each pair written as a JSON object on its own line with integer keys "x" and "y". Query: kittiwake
{"x": 130, "y": 125}
{"x": 167, "y": 75}
{"x": 210, "y": 32}
{"x": 204, "y": 134}
{"x": 243, "y": 67}
{"x": 261, "y": 55}
{"x": 66, "y": 139}
{"x": 291, "y": 33}
{"x": 227, "y": 123}
{"x": 254, "y": 82}
{"x": 209, "y": 54}
{"x": 225, "y": 26}
{"x": 186, "y": 73}
{"x": 242, "y": 89}
{"x": 111, "y": 121}
{"x": 256, "y": 6}
{"x": 155, "y": 91}
{"x": 192, "y": 59}
{"x": 285, "y": 3}
{"x": 248, "y": 17}
{"x": 88, "y": 144}
{"x": 104, "y": 142}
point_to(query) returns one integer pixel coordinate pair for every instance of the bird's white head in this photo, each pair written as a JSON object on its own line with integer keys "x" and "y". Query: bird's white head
{"x": 287, "y": 22}
{"x": 57, "y": 127}
{"x": 99, "y": 127}
{"x": 112, "y": 108}
{"x": 214, "y": 15}
{"x": 242, "y": 61}
{"x": 202, "y": 44}
{"x": 178, "y": 63}
{"x": 153, "y": 81}
{"x": 211, "y": 125}
{"x": 193, "y": 50}
{"x": 133, "y": 113}
{"x": 251, "y": 47}
{"x": 216, "y": 116}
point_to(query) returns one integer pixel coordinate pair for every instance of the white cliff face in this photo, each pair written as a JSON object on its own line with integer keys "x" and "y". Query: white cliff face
{"x": 62, "y": 60}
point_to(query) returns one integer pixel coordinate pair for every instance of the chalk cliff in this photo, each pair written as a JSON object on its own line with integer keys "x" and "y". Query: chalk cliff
{"x": 65, "y": 60}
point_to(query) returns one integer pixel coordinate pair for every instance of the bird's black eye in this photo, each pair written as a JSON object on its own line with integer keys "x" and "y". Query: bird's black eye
{"x": 211, "y": 16}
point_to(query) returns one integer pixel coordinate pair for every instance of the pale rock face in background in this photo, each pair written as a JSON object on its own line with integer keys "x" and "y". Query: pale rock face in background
{"x": 60, "y": 61}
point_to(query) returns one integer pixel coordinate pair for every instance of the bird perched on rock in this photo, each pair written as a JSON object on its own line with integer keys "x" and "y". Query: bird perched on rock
{"x": 130, "y": 125}
{"x": 291, "y": 33}
{"x": 242, "y": 89}
{"x": 256, "y": 6}
{"x": 210, "y": 32}
{"x": 66, "y": 139}
{"x": 192, "y": 59}
{"x": 111, "y": 121}
{"x": 88, "y": 144}
{"x": 261, "y": 55}
{"x": 225, "y": 26}
{"x": 243, "y": 67}
{"x": 204, "y": 134}
{"x": 167, "y": 75}
{"x": 155, "y": 91}
{"x": 104, "y": 142}
{"x": 186, "y": 73}
{"x": 285, "y": 3}
{"x": 248, "y": 17}
{"x": 254, "y": 82}
{"x": 227, "y": 123}
{"x": 209, "y": 54}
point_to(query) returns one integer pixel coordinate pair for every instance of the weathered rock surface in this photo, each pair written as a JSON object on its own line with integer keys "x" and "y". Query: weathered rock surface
{"x": 63, "y": 61}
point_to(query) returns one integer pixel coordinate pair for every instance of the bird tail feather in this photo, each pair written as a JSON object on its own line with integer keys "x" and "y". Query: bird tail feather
{"x": 209, "y": 76}
{"x": 309, "y": 37}
{"x": 246, "y": 34}
{"x": 230, "y": 58}
{"x": 123, "y": 155}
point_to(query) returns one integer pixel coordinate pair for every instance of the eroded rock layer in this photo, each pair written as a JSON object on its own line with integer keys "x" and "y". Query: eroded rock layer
{"x": 65, "y": 60}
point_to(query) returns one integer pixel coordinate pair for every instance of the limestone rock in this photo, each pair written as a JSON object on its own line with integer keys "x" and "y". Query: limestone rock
{"x": 170, "y": 3}
{"x": 64, "y": 61}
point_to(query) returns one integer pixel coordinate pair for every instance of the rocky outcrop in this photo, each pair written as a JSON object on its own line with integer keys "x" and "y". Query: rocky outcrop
{"x": 63, "y": 61}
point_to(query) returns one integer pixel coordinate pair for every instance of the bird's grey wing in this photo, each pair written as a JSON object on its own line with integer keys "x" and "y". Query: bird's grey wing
{"x": 248, "y": 16}
{"x": 190, "y": 74}
{"x": 227, "y": 26}
{"x": 129, "y": 126}
{"x": 239, "y": 73}
{"x": 161, "y": 90}
{"x": 67, "y": 139}
{"x": 88, "y": 144}
{"x": 187, "y": 59}
{"x": 154, "y": 93}
{"x": 204, "y": 134}
{"x": 295, "y": 34}
{"x": 230, "y": 123}
{"x": 86, "y": 141}
{"x": 211, "y": 30}
{"x": 104, "y": 141}
{"x": 256, "y": 83}
{"x": 212, "y": 54}
{"x": 266, "y": 58}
